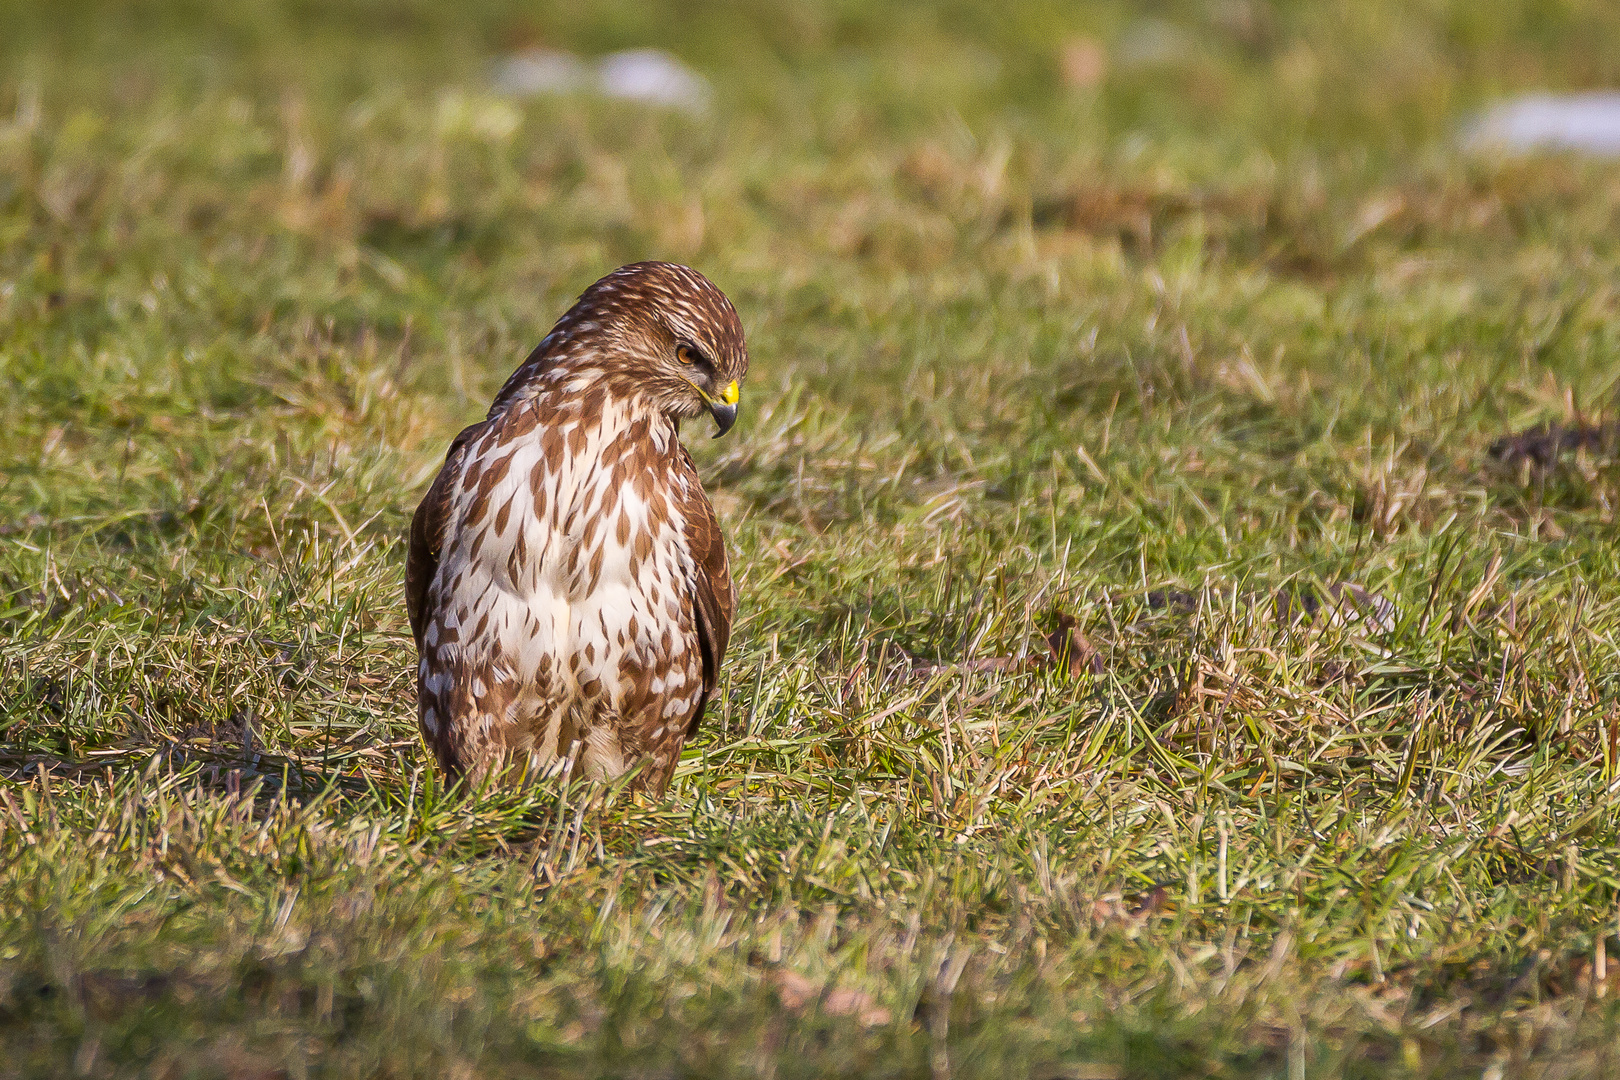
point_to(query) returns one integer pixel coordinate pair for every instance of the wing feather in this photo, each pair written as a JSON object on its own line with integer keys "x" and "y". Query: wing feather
{"x": 428, "y": 528}
{"x": 714, "y": 598}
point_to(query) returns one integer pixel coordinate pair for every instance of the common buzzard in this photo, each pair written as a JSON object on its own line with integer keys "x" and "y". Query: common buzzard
{"x": 567, "y": 580}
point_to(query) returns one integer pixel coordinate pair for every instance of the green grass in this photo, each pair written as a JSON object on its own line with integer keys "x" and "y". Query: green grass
{"x": 1172, "y": 354}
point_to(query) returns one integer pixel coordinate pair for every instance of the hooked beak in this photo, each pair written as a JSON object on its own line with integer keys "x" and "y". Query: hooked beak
{"x": 724, "y": 408}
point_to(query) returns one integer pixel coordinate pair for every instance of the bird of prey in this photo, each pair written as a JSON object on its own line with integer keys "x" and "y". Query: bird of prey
{"x": 567, "y": 581}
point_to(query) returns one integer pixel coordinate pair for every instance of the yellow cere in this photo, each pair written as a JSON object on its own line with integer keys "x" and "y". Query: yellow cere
{"x": 731, "y": 393}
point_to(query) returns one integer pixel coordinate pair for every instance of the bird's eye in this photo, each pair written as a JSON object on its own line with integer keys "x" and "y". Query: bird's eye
{"x": 686, "y": 354}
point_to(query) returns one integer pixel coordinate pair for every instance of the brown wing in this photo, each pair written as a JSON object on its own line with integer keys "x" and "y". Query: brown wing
{"x": 714, "y": 599}
{"x": 428, "y": 534}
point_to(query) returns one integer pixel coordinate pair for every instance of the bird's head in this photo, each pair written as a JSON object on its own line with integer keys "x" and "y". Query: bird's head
{"x": 670, "y": 335}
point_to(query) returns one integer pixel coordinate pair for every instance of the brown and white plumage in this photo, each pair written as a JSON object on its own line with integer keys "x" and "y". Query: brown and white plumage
{"x": 567, "y": 580}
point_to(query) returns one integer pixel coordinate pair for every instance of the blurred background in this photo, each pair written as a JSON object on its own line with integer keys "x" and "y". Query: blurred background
{"x": 210, "y": 209}
{"x": 1246, "y": 74}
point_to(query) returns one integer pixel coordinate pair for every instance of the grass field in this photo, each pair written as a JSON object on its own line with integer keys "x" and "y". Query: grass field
{"x": 1177, "y": 331}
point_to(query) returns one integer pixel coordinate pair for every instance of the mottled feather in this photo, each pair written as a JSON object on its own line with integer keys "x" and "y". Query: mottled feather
{"x": 567, "y": 580}
{"x": 712, "y": 593}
